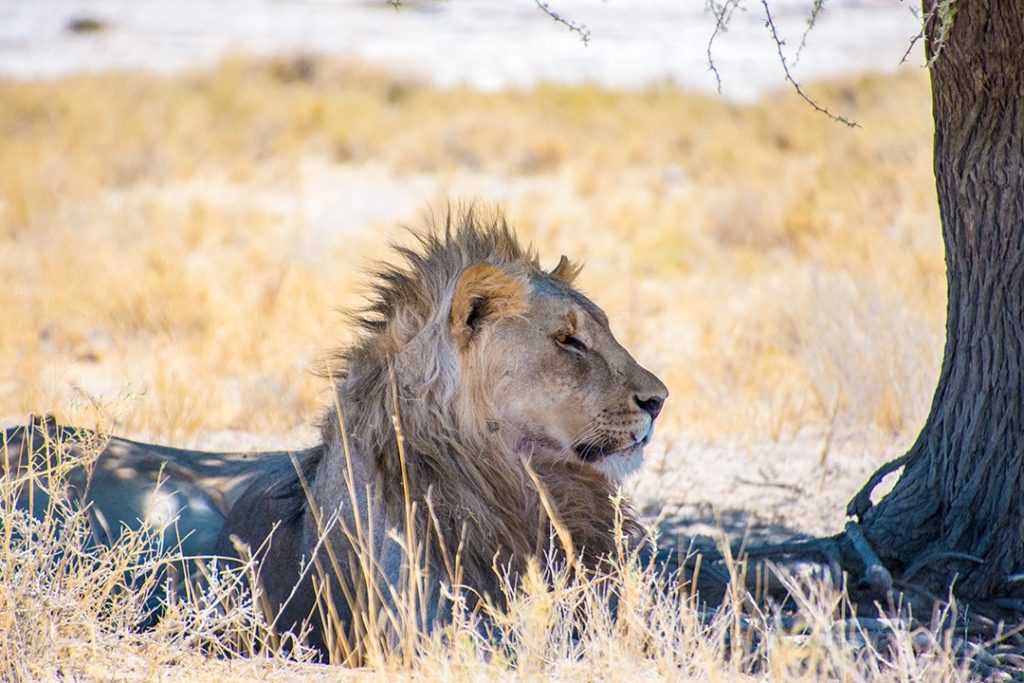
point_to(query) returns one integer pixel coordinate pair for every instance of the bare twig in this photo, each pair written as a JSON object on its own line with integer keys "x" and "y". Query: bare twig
{"x": 770, "y": 25}
{"x": 722, "y": 12}
{"x": 913, "y": 42}
{"x": 579, "y": 29}
{"x": 830, "y": 433}
{"x": 792, "y": 488}
{"x": 811, "y": 21}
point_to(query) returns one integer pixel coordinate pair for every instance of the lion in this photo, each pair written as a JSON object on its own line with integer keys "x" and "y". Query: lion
{"x": 484, "y": 408}
{"x": 483, "y": 390}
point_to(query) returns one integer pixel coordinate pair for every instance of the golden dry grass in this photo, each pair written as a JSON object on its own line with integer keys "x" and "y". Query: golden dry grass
{"x": 173, "y": 250}
{"x": 184, "y": 241}
{"x": 71, "y": 612}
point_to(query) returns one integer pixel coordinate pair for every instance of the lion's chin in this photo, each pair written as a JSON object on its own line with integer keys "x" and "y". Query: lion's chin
{"x": 618, "y": 465}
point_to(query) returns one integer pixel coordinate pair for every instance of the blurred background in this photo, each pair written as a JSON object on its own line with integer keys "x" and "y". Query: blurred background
{"x": 191, "y": 190}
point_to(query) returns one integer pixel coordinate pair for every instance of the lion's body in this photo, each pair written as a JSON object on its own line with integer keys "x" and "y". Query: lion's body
{"x": 484, "y": 404}
{"x": 129, "y": 484}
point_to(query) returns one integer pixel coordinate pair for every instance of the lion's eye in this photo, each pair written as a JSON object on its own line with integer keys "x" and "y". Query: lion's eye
{"x": 571, "y": 342}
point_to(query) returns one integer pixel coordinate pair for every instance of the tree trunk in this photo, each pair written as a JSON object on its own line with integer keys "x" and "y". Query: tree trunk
{"x": 956, "y": 515}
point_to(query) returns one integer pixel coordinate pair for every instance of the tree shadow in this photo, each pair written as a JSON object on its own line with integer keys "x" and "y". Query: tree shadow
{"x": 713, "y": 534}
{"x": 703, "y": 528}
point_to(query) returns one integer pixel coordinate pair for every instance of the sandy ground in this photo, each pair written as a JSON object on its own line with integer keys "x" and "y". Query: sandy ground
{"x": 489, "y": 44}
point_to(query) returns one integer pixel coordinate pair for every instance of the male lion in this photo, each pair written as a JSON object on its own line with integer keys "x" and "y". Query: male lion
{"x": 484, "y": 404}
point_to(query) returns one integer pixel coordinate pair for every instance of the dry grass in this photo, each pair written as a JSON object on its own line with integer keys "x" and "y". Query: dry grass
{"x": 173, "y": 250}
{"x": 72, "y": 609}
{"x": 183, "y": 242}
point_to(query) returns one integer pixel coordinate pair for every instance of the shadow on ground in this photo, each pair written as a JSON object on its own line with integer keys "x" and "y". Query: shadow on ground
{"x": 691, "y": 530}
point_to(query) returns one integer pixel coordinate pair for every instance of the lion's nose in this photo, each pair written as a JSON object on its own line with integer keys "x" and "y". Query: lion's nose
{"x": 650, "y": 404}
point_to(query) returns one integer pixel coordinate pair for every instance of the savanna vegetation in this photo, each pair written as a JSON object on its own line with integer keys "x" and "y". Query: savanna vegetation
{"x": 174, "y": 250}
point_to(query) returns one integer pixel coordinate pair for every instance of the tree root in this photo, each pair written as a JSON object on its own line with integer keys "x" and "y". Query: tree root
{"x": 928, "y": 558}
{"x": 875, "y": 574}
{"x": 976, "y": 631}
{"x": 861, "y": 502}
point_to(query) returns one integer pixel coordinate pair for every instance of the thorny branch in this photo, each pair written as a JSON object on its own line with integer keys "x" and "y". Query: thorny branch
{"x": 913, "y": 42}
{"x": 770, "y": 24}
{"x": 722, "y": 12}
{"x": 811, "y": 21}
{"x": 579, "y": 29}
{"x": 914, "y": 39}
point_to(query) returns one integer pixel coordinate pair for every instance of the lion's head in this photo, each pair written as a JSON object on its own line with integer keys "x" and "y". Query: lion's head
{"x": 485, "y": 347}
{"x": 538, "y": 358}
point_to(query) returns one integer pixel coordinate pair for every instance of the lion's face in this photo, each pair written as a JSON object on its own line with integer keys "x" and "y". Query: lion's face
{"x": 557, "y": 379}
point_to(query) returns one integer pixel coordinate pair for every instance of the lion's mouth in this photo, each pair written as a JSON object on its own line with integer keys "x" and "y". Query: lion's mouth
{"x": 592, "y": 452}
{"x": 596, "y": 452}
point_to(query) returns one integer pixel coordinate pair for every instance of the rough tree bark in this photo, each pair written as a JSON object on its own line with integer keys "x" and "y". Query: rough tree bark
{"x": 956, "y": 514}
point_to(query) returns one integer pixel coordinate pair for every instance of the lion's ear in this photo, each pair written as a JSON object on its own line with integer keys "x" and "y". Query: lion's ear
{"x": 566, "y": 270}
{"x": 484, "y": 292}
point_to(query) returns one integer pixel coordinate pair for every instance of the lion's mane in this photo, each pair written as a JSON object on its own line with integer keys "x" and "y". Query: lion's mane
{"x": 481, "y": 495}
